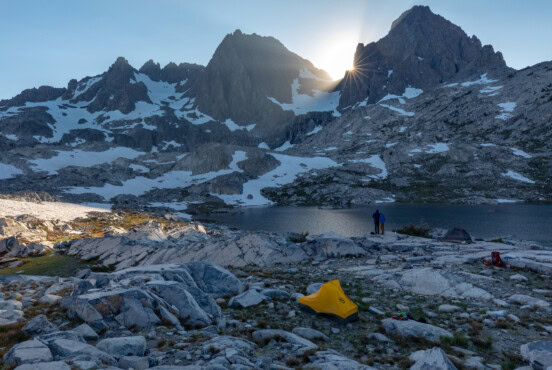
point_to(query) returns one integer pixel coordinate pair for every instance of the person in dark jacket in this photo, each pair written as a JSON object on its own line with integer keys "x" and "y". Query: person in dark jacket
{"x": 382, "y": 223}
{"x": 376, "y": 217}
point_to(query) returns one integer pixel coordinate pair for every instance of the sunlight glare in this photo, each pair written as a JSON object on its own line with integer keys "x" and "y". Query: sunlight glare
{"x": 336, "y": 55}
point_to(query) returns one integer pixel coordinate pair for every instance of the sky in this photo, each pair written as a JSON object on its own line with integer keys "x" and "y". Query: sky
{"x": 51, "y": 42}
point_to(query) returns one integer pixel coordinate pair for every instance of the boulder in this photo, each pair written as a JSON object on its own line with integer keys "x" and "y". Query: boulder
{"x": 86, "y": 332}
{"x": 528, "y": 300}
{"x": 168, "y": 316}
{"x": 135, "y": 314}
{"x": 214, "y": 280}
{"x": 332, "y": 245}
{"x": 38, "y": 325}
{"x": 310, "y": 334}
{"x": 133, "y": 362}
{"x": 330, "y": 360}
{"x": 11, "y": 316}
{"x": 431, "y": 359}
{"x": 55, "y": 365}
{"x": 265, "y": 335}
{"x": 274, "y": 293}
{"x": 247, "y": 299}
{"x": 223, "y": 342}
{"x": 50, "y": 299}
{"x": 411, "y": 328}
{"x": 176, "y": 295}
{"x": 71, "y": 335}
{"x": 10, "y": 304}
{"x": 28, "y": 352}
{"x": 123, "y": 346}
{"x": 68, "y": 349}
{"x": 538, "y": 354}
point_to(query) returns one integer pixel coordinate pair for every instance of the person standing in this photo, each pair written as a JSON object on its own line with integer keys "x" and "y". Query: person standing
{"x": 382, "y": 223}
{"x": 376, "y": 217}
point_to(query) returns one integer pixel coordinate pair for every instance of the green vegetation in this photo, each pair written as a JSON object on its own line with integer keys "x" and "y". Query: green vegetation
{"x": 421, "y": 229}
{"x": 11, "y": 335}
{"x": 457, "y": 340}
{"x": 49, "y": 265}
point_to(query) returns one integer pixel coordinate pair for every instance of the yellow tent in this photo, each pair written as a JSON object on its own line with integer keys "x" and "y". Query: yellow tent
{"x": 331, "y": 299}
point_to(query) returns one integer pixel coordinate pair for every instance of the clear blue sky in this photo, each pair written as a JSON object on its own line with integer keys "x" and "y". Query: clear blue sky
{"x": 50, "y": 42}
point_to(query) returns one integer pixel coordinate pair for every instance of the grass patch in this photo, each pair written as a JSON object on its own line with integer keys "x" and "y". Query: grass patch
{"x": 49, "y": 265}
{"x": 512, "y": 361}
{"x": 483, "y": 344}
{"x": 457, "y": 340}
{"x": 10, "y": 335}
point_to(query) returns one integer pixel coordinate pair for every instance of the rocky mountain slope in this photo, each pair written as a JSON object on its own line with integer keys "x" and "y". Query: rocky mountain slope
{"x": 428, "y": 114}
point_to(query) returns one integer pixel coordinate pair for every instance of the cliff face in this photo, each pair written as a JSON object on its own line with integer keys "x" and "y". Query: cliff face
{"x": 421, "y": 50}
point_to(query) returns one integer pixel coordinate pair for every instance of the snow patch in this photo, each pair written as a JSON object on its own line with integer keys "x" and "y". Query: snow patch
{"x": 7, "y": 171}
{"x": 81, "y": 158}
{"x": 506, "y": 108}
{"x": 285, "y": 146}
{"x": 402, "y": 112}
{"x": 233, "y": 126}
{"x": 320, "y": 101}
{"x": 521, "y": 153}
{"x": 288, "y": 170}
{"x": 263, "y": 145}
{"x": 409, "y": 93}
{"x": 431, "y": 149}
{"x": 169, "y": 180}
{"x": 374, "y": 161}
{"x": 315, "y": 130}
{"x": 516, "y": 176}
{"x": 483, "y": 80}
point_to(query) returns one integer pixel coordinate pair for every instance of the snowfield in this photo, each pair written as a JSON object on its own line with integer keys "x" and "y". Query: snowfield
{"x": 290, "y": 167}
{"x": 81, "y": 158}
{"x": 169, "y": 180}
{"x": 46, "y": 210}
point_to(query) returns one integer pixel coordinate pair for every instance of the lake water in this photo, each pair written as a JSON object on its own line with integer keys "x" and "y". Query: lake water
{"x": 519, "y": 221}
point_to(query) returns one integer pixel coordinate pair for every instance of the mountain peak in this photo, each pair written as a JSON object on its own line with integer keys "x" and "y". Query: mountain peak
{"x": 415, "y": 13}
{"x": 422, "y": 50}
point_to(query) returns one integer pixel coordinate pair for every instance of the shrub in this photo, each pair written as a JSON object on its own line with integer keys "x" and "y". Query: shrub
{"x": 421, "y": 229}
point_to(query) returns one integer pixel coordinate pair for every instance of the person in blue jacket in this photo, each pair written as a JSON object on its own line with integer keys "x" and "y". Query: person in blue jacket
{"x": 382, "y": 223}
